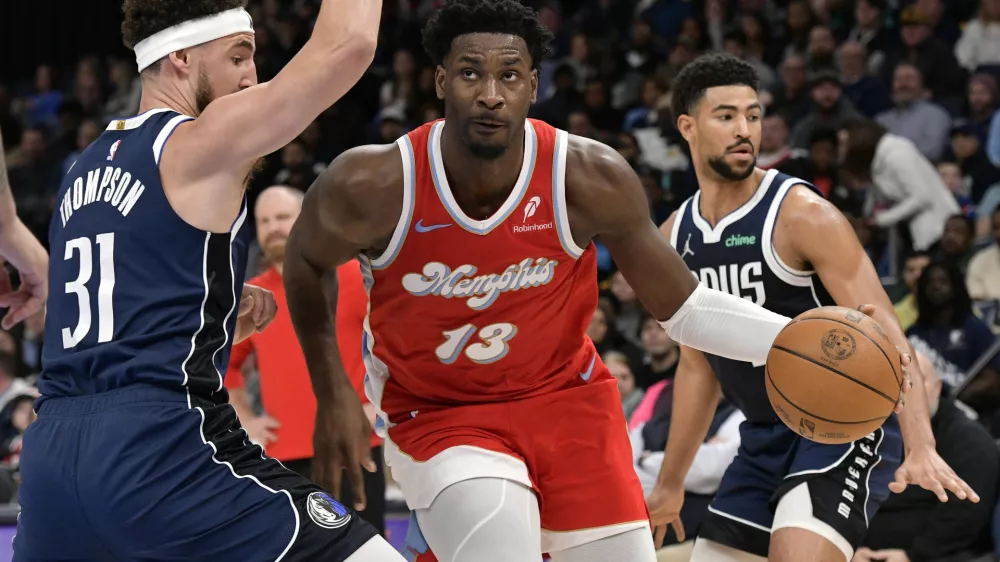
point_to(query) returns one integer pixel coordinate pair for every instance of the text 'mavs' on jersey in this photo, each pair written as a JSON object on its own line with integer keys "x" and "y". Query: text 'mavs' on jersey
{"x": 469, "y": 311}
{"x": 737, "y": 256}
{"x": 136, "y": 294}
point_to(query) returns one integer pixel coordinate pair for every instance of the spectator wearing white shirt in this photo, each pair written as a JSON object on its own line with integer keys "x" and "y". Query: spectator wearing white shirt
{"x": 983, "y": 275}
{"x": 980, "y": 41}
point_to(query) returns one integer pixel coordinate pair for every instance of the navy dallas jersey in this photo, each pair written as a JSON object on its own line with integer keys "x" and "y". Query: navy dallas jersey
{"x": 136, "y": 294}
{"x": 844, "y": 484}
{"x": 737, "y": 256}
{"x": 136, "y": 453}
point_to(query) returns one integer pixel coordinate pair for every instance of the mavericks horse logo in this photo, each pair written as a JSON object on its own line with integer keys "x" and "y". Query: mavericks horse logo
{"x": 326, "y": 511}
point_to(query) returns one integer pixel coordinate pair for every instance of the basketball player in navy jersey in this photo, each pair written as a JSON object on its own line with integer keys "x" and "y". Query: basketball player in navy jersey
{"x": 136, "y": 453}
{"x": 20, "y": 248}
{"x": 773, "y": 239}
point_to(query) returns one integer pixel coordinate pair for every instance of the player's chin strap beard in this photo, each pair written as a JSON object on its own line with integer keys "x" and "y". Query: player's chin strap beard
{"x": 191, "y": 34}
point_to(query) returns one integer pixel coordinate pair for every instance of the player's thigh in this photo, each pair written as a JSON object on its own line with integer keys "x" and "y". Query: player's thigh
{"x": 200, "y": 491}
{"x": 635, "y": 545}
{"x": 706, "y": 550}
{"x": 580, "y": 459}
{"x": 480, "y": 520}
{"x": 832, "y": 493}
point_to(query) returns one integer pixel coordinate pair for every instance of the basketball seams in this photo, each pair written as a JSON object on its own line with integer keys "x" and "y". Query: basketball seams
{"x": 832, "y": 370}
{"x": 855, "y": 328}
{"x": 767, "y": 373}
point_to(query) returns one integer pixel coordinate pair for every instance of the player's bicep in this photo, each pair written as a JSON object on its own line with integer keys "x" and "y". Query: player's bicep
{"x": 616, "y": 209}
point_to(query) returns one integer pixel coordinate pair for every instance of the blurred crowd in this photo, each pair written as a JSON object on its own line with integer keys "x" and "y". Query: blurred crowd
{"x": 889, "y": 107}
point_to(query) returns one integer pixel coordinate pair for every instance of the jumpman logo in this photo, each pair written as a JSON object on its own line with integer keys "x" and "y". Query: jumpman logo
{"x": 687, "y": 247}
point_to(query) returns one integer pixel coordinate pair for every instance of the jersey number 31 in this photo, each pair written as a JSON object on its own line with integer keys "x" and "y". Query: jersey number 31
{"x": 105, "y": 288}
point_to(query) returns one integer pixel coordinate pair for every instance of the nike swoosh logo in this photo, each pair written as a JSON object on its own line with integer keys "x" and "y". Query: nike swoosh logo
{"x": 585, "y": 375}
{"x": 419, "y": 227}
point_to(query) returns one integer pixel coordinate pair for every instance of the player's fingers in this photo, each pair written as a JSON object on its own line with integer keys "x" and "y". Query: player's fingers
{"x": 13, "y": 298}
{"x": 271, "y": 423}
{"x": 20, "y": 313}
{"x": 659, "y": 533}
{"x": 678, "y": 526}
{"x": 357, "y": 482}
{"x": 269, "y": 437}
{"x": 334, "y": 474}
{"x": 867, "y": 309}
{"x": 246, "y": 305}
{"x": 970, "y": 494}
{"x": 901, "y": 482}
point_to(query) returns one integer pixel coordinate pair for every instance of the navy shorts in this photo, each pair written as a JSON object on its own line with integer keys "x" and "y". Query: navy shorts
{"x": 847, "y": 483}
{"x": 140, "y": 473}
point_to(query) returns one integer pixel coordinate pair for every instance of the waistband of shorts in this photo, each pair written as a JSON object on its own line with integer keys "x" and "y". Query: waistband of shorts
{"x": 117, "y": 398}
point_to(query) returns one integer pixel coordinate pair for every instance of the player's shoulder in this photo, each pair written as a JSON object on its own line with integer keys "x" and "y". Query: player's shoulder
{"x": 365, "y": 181}
{"x": 804, "y": 207}
{"x": 588, "y": 159}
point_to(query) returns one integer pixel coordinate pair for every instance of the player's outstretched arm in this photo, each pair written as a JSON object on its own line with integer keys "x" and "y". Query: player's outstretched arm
{"x": 20, "y": 247}
{"x": 606, "y": 200}
{"x": 815, "y": 232}
{"x": 696, "y": 395}
{"x": 236, "y": 130}
{"x": 352, "y": 207}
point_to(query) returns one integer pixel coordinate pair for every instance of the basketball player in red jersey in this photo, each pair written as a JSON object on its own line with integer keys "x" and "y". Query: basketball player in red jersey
{"x": 503, "y": 428}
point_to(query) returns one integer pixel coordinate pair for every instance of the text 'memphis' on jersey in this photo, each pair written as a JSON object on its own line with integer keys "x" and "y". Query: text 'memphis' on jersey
{"x": 136, "y": 295}
{"x": 467, "y": 311}
{"x": 737, "y": 256}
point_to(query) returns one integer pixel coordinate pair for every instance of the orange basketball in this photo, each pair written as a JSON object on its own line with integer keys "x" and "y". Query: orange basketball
{"x": 832, "y": 375}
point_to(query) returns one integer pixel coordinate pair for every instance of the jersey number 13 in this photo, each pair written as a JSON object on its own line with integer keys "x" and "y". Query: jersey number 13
{"x": 83, "y": 247}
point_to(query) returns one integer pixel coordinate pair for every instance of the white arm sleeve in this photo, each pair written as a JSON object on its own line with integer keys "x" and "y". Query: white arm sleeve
{"x": 724, "y": 325}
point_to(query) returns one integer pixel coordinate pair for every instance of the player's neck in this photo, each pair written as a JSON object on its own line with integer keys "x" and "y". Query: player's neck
{"x": 474, "y": 180}
{"x": 719, "y": 196}
{"x": 155, "y": 98}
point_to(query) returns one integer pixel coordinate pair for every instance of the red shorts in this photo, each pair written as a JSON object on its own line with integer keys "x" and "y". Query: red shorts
{"x": 571, "y": 447}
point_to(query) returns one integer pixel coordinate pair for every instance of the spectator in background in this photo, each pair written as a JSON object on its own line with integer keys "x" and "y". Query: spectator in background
{"x": 956, "y": 242}
{"x": 982, "y": 104}
{"x": 983, "y": 277}
{"x": 871, "y": 32}
{"x": 914, "y": 525}
{"x": 978, "y": 173}
{"x": 822, "y": 49}
{"x": 943, "y": 25}
{"x": 829, "y": 109}
{"x": 774, "y": 149}
{"x": 865, "y": 92}
{"x": 979, "y": 44}
{"x": 909, "y": 190}
{"x": 792, "y": 97}
{"x": 914, "y": 118}
{"x": 934, "y": 58}
{"x": 618, "y": 364}
{"x": 645, "y": 115}
{"x": 399, "y": 92}
{"x": 87, "y": 133}
{"x": 606, "y": 338}
{"x": 126, "y": 90}
{"x": 299, "y": 170}
{"x": 41, "y": 107}
{"x": 662, "y": 354}
{"x": 286, "y": 429}
{"x": 630, "y": 310}
{"x": 906, "y": 307}
{"x": 952, "y": 337}
{"x": 33, "y": 180}
{"x": 735, "y": 43}
{"x": 555, "y": 109}
{"x": 951, "y": 175}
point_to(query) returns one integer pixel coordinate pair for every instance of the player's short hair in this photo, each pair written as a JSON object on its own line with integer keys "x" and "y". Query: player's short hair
{"x": 709, "y": 71}
{"x": 461, "y": 17}
{"x": 143, "y": 18}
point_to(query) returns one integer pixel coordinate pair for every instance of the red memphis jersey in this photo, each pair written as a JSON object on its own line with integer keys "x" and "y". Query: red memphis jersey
{"x": 470, "y": 311}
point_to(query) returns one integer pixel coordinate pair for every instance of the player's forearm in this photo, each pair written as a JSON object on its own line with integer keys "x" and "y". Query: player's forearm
{"x": 313, "y": 317}
{"x": 914, "y": 421}
{"x": 724, "y": 325}
{"x": 696, "y": 395}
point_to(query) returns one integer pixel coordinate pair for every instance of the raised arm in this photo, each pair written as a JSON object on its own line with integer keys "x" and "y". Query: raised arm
{"x": 818, "y": 235}
{"x": 606, "y": 200}
{"x": 353, "y": 207}
{"x": 237, "y": 129}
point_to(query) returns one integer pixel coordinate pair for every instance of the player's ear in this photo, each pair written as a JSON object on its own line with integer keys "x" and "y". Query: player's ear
{"x": 534, "y": 85}
{"x": 685, "y": 124}
{"x": 439, "y": 77}
{"x": 180, "y": 60}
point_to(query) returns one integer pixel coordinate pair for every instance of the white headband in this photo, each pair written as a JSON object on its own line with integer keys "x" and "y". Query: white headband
{"x": 191, "y": 33}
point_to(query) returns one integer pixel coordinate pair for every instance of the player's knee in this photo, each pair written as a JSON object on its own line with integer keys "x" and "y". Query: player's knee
{"x": 797, "y": 534}
{"x": 711, "y": 551}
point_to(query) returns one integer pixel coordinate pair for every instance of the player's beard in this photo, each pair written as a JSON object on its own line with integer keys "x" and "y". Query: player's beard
{"x": 726, "y": 172}
{"x": 485, "y": 151}
{"x": 203, "y": 94}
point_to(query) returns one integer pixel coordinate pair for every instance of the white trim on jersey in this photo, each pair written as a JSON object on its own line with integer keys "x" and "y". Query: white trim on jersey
{"x": 201, "y": 425}
{"x": 712, "y": 235}
{"x": 675, "y": 230}
{"x": 481, "y": 227}
{"x": 165, "y": 132}
{"x": 409, "y": 200}
{"x": 781, "y": 270}
{"x": 559, "y": 196}
{"x": 134, "y": 122}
